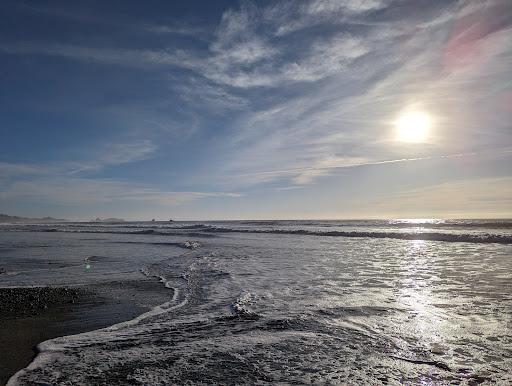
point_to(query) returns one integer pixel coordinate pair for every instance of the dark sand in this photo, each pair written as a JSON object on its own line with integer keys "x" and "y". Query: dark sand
{"x": 29, "y": 316}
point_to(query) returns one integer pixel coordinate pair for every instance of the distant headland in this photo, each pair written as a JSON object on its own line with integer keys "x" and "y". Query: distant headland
{"x": 18, "y": 219}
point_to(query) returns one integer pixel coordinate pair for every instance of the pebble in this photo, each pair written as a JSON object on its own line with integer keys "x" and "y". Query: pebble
{"x": 34, "y": 300}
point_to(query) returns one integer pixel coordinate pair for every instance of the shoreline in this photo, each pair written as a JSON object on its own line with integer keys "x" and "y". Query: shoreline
{"x": 32, "y": 315}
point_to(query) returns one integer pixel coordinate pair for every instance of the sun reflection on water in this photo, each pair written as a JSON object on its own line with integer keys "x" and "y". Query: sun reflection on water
{"x": 417, "y": 221}
{"x": 416, "y": 295}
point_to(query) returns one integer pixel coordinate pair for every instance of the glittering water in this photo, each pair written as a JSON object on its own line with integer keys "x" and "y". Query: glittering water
{"x": 362, "y": 302}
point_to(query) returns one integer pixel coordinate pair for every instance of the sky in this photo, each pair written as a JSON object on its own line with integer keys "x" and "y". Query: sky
{"x": 280, "y": 109}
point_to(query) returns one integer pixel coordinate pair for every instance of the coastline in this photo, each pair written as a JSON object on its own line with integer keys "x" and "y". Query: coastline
{"x": 32, "y": 315}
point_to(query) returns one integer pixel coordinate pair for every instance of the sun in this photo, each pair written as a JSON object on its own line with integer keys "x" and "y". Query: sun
{"x": 413, "y": 126}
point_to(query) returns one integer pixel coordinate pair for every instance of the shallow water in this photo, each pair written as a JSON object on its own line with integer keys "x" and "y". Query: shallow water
{"x": 292, "y": 302}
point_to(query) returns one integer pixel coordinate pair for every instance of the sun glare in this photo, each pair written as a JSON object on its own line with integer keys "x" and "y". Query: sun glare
{"x": 413, "y": 126}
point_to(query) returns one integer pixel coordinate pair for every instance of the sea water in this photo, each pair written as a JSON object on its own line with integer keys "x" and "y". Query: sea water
{"x": 266, "y": 302}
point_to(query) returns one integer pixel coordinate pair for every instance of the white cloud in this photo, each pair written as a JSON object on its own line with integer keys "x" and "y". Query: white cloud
{"x": 202, "y": 94}
{"x": 355, "y": 6}
{"x": 292, "y": 16}
{"x": 326, "y": 58}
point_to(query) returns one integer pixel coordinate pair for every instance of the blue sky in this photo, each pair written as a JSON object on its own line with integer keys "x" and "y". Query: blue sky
{"x": 268, "y": 109}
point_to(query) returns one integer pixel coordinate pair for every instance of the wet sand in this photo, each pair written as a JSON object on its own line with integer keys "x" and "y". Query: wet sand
{"x": 29, "y": 316}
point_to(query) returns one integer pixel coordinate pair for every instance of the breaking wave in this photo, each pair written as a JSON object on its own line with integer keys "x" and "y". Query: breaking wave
{"x": 429, "y": 236}
{"x": 470, "y": 231}
{"x": 426, "y": 236}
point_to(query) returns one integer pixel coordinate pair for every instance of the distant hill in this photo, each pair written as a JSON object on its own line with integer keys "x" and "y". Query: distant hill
{"x": 17, "y": 219}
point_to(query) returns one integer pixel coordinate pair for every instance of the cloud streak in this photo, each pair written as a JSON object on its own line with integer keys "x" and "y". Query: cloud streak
{"x": 86, "y": 191}
{"x": 306, "y": 175}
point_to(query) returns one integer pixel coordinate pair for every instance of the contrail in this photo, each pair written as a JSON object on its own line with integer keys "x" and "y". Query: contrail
{"x": 369, "y": 163}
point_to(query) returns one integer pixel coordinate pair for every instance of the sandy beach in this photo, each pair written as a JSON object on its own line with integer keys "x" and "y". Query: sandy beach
{"x": 29, "y": 316}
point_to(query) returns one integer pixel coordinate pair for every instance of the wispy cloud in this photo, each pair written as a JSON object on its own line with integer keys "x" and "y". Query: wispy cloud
{"x": 351, "y": 117}
{"x": 176, "y": 29}
{"x": 292, "y": 16}
{"x": 9, "y": 168}
{"x": 292, "y": 92}
{"x": 115, "y": 56}
{"x": 63, "y": 182}
{"x": 203, "y": 95}
{"x": 84, "y": 191}
{"x": 464, "y": 198}
{"x": 104, "y": 156}
{"x": 306, "y": 175}
{"x": 375, "y": 70}
{"x": 240, "y": 55}
{"x": 78, "y": 13}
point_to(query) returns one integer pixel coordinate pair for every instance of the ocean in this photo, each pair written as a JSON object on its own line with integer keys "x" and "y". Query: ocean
{"x": 279, "y": 302}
